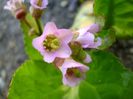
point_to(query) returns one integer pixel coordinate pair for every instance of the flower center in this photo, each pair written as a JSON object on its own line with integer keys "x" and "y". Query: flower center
{"x": 51, "y": 43}
{"x": 73, "y": 72}
{"x": 39, "y": 3}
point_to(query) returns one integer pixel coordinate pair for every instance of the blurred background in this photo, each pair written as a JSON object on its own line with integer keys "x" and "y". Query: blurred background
{"x": 62, "y": 12}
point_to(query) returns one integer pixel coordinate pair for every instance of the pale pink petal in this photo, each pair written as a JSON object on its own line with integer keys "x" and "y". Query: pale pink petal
{"x": 94, "y": 28}
{"x": 49, "y": 57}
{"x": 65, "y": 35}
{"x": 50, "y": 28}
{"x": 86, "y": 39}
{"x": 72, "y": 64}
{"x": 64, "y": 51}
{"x": 38, "y": 43}
{"x": 96, "y": 44}
{"x": 73, "y": 82}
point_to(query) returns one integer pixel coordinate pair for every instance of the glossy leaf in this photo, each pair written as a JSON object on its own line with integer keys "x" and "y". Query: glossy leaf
{"x": 117, "y": 14}
{"x": 107, "y": 79}
{"x": 36, "y": 80}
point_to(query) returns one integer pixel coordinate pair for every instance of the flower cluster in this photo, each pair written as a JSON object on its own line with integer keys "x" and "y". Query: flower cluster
{"x": 62, "y": 47}
{"x": 54, "y": 46}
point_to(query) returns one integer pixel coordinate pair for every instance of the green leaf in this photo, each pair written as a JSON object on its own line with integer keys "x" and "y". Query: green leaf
{"x": 109, "y": 77}
{"x": 117, "y": 14}
{"x": 36, "y": 80}
{"x": 30, "y": 50}
{"x": 88, "y": 91}
{"x": 106, "y": 79}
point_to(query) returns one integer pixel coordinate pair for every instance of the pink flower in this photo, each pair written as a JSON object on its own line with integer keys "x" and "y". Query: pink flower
{"x": 39, "y": 4}
{"x": 16, "y": 7}
{"x": 73, "y": 72}
{"x": 87, "y": 38}
{"x": 53, "y": 42}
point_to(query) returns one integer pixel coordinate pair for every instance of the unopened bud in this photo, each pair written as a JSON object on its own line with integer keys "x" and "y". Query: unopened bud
{"x": 37, "y": 13}
{"x": 37, "y": 7}
{"x": 17, "y": 8}
{"x": 77, "y": 51}
{"x": 20, "y": 14}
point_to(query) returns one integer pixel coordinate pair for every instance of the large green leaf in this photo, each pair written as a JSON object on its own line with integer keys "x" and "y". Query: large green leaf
{"x": 107, "y": 79}
{"x": 36, "y": 80}
{"x": 30, "y": 50}
{"x": 117, "y": 14}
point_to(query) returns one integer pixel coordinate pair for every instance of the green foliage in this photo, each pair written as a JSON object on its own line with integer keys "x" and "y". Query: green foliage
{"x": 107, "y": 79}
{"x": 30, "y": 50}
{"x": 117, "y": 14}
{"x": 36, "y": 80}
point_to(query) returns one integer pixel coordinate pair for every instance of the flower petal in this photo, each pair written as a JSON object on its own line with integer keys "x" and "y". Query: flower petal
{"x": 65, "y": 35}
{"x": 49, "y": 57}
{"x": 38, "y": 43}
{"x": 70, "y": 63}
{"x": 96, "y": 44}
{"x": 73, "y": 82}
{"x": 64, "y": 51}
{"x": 94, "y": 28}
{"x": 50, "y": 28}
{"x": 86, "y": 39}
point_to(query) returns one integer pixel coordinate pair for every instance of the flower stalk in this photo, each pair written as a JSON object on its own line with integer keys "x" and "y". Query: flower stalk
{"x": 39, "y": 26}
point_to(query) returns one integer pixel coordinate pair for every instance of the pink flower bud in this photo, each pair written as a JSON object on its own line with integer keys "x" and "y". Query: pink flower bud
{"x": 17, "y": 8}
{"x": 73, "y": 72}
{"x": 53, "y": 43}
{"x": 39, "y": 4}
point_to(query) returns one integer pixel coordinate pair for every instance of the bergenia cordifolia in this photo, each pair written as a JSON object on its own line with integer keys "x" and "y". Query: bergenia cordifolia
{"x": 16, "y": 7}
{"x": 87, "y": 38}
{"x": 73, "y": 72}
{"x": 39, "y": 4}
{"x": 53, "y": 42}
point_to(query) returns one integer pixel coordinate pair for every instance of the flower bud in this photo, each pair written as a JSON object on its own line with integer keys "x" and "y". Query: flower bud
{"x": 37, "y": 7}
{"x": 20, "y": 14}
{"x": 37, "y": 13}
{"x": 77, "y": 52}
{"x": 17, "y": 8}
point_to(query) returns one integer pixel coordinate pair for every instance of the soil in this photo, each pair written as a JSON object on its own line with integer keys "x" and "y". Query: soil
{"x": 62, "y": 12}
